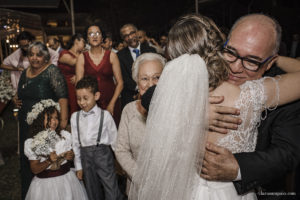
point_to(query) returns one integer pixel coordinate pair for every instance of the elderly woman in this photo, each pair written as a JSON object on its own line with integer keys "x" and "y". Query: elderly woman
{"x": 40, "y": 80}
{"x": 146, "y": 71}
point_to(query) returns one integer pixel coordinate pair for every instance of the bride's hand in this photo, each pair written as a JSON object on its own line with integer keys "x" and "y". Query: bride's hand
{"x": 220, "y": 117}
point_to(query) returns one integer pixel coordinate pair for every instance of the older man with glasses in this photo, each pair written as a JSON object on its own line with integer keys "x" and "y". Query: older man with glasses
{"x": 126, "y": 57}
{"x": 251, "y": 50}
{"x": 248, "y": 62}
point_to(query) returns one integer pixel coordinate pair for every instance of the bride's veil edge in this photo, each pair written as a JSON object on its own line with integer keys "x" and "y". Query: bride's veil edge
{"x": 176, "y": 132}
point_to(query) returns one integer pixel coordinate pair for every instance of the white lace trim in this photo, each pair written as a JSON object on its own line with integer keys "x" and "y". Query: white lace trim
{"x": 251, "y": 102}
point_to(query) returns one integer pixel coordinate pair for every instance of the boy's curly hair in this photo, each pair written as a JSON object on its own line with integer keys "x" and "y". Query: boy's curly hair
{"x": 88, "y": 82}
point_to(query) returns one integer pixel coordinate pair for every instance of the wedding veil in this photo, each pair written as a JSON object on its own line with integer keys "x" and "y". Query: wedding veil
{"x": 175, "y": 137}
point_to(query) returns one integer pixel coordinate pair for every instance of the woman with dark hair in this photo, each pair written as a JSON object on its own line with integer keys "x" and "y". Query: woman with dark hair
{"x": 67, "y": 62}
{"x": 41, "y": 80}
{"x": 103, "y": 65}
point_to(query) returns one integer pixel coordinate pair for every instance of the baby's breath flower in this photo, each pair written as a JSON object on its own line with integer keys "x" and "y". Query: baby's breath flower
{"x": 38, "y": 108}
{"x": 6, "y": 89}
{"x": 43, "y": 142}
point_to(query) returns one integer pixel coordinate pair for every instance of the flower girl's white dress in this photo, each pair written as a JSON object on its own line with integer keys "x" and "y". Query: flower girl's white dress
{"x": 62, "y": 187}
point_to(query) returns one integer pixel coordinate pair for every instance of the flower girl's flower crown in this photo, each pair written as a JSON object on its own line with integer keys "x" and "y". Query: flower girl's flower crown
{"x": 38, "y": 108}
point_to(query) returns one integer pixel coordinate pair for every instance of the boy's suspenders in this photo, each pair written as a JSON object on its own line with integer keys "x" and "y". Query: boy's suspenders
{"x": 100, "y": 127}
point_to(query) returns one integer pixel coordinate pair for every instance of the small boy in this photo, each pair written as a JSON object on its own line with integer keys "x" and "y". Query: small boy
{"x": 93, "y": 130}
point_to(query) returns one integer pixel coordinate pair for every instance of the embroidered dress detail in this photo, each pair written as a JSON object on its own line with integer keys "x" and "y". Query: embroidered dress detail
{"x": 251, "y": 103}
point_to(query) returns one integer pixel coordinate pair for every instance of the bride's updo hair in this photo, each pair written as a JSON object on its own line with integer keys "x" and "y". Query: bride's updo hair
{"x": 197, "y": 34}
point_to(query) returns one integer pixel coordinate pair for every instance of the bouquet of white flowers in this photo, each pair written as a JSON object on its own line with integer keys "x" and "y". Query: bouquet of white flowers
{"x": 44, "y": 142}
{"x": 6, "y": 89}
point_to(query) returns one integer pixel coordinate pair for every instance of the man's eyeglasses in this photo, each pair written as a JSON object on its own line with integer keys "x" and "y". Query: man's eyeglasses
{"x": 92, "y": 34}
{"x": 130, "y": 34}
{"x": 248, "y": 63}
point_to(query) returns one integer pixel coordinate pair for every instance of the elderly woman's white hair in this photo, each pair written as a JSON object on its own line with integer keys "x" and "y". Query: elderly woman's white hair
{"x": 145, "y": 57}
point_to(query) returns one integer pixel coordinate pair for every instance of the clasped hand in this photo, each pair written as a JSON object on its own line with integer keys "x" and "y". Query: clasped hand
{"x": 57, "y": 160}
{"x": 219, "y": 164}
{"x": 68, "y": 155}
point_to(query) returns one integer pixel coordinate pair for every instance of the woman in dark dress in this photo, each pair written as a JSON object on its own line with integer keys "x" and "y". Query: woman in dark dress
{"x": 103, "y": 65}
{"x": 40, "y": 80}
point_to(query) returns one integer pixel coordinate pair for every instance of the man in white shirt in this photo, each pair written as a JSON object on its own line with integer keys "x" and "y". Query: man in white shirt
{"x": 54, "y": 44}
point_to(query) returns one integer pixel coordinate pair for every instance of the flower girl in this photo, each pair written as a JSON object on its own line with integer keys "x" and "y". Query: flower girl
{"x": 49, "y": 153}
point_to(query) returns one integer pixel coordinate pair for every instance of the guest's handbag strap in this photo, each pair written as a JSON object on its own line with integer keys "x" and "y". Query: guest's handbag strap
{"x": 100, "y": 127}
{"x": 77, "y": 120}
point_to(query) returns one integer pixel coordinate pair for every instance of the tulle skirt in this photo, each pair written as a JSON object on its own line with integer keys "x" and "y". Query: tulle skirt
{"x": 64, "y": 187}
{"x": 212, "y": 190}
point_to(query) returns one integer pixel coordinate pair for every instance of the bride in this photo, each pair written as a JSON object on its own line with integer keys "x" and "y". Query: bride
{"x": 176, "y": 130}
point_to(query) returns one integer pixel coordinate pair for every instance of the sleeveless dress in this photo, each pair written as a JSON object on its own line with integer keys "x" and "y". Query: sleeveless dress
{"x": 251, "y": 103}
{"x": 68, "y": 72}
{"x": 49, "y": 84}
{"x": 106, "y": 85}
{"x": 63, "y": 187}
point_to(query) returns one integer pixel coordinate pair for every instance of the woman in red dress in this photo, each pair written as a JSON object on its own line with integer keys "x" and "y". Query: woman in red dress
{"x": 66, "y": 62}
{"x": 105, "y": 66}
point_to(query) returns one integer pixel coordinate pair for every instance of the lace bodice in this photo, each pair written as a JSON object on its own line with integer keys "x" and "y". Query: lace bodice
{"x": 251, "y": 103}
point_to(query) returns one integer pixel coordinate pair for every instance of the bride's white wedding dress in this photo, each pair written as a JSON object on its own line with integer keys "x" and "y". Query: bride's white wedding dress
{"x": 176, "y": 135}
{"x": 251, "y": 103}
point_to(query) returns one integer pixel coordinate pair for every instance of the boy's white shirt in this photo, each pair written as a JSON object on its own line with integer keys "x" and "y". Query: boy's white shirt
{"x": 89, "y": 128}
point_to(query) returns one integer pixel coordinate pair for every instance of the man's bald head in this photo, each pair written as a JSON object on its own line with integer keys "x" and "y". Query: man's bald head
{"x": 260, "y": 24}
